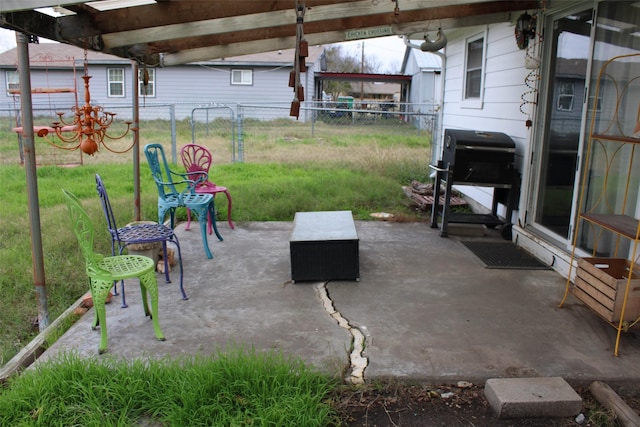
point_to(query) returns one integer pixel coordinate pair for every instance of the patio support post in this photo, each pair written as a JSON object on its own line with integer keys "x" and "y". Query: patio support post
{"x": 32, "y": 180}
{"x": 136, "y": 141}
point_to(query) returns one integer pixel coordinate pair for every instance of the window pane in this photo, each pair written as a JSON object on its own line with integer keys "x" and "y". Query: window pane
{"x": 116, "y": 81}
{"x": 568, "y": 40}
{"x": 241, "y": 77}
{"x": 115, "y": 89}
{"x": 474, "y": 59}
{"x": 149, "y": 88}
{"x": 566, "y": 88}
{"x": 473, "y": 76}
{"x": 116, "y": 74}
{"x": 13, "y": 80}
{"x": 611, "y": 181}
{"x": 474, "y": 80}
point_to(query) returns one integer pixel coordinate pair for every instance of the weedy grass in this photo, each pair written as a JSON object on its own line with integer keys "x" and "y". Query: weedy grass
{"x": 236, "y": 387}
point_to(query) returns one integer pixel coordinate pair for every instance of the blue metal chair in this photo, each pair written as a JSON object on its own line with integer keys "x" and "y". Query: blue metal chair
{"x": 104, "y": 271}
{"x": 136, "y": 234}
{"x": 169, "y": 198}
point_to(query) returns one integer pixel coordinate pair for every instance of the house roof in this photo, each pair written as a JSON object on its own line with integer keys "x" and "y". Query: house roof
{"x": 60, "y": 55}
{"x": 427, "y": 60}
{"x": 57, "y": 55}
{"x": 278, "y": 57}
{"x": 363, "y": 77}
{"x": 424, "y": 60}
{"x": 165, "y": 33}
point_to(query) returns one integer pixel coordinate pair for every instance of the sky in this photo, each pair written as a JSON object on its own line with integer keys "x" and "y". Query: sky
{"x": 386, "y": 51}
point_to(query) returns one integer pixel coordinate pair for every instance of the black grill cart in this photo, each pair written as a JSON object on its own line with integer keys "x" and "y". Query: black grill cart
{"x": 479, "y": 158}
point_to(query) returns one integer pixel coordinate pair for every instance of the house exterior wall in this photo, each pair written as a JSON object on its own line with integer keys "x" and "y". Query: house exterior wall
{"x": 50, "y": 79}
{"x": 183, "y": 86}
{"x": 510, "y": 93}
{"x": 212, "y": 83}
{"x": 504, "y": 84}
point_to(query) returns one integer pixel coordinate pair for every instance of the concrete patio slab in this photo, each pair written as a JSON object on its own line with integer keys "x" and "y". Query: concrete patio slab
{"x": 424, "y": 309}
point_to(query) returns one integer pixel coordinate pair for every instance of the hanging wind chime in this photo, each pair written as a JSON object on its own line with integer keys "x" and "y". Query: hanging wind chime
{"x": 525, "y": 30}
{"x": 90, "y": 125}
{"x": 299, "y": 63}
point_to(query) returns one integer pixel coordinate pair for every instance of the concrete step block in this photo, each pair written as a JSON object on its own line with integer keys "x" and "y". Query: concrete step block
{"x": 548, "y": 397}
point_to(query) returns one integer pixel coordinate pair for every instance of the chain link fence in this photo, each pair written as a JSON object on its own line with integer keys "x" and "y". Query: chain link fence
{"x": 233, "y": 132}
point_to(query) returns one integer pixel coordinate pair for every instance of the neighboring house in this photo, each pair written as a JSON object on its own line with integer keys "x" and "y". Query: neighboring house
{"x": 377, "y": 93}
{"x": 425, "y": 69}
{"x": 536, "y": 95}
{"x": 256, "y": 79}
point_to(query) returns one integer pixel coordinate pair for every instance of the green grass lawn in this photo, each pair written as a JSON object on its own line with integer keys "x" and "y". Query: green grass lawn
{"x": 234, "y": 388}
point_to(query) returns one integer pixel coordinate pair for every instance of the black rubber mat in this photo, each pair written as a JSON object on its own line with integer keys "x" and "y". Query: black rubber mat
{"x": 504, "y": 255}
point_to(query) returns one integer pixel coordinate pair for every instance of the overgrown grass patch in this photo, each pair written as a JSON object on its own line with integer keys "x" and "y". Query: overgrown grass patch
{"x": 233, "y": 388}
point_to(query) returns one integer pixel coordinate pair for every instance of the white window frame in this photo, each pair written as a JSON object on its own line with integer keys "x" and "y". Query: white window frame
{"x": 13, "y": 81}
{"x": 245, "y": 77}
{"x": 562, "y": 95}
{"x": 111, "y": 82}
{"x": 151, "y": 86}
{"x": 598, "y": 105}
{"x": 474, "y": 102}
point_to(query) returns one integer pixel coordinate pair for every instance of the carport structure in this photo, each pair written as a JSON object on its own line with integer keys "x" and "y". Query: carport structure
{"x": 165, "y": 32}
{"x": 161, "y": 33}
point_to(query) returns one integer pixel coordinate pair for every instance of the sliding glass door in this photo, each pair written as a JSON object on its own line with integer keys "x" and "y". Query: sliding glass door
{"x": 566, "y": 78}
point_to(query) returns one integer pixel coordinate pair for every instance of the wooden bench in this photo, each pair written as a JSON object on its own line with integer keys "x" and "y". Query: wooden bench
{"x": 324, "y": 246}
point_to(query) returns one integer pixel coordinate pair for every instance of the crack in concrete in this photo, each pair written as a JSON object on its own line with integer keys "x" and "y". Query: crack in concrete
{"x": 357, "y": 361}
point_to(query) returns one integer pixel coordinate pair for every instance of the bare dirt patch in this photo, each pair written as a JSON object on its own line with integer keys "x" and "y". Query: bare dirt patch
{"x": 405, "y": 405}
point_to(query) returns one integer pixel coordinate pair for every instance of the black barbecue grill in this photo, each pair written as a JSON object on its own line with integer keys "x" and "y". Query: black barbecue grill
{"x": 482, "y": 159}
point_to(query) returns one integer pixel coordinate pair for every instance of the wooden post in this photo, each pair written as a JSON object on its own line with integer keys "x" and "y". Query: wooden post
{"x": 610, "y": 400}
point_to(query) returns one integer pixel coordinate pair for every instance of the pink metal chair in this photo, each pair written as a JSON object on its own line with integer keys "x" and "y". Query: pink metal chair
{"x": 197, "y": 159}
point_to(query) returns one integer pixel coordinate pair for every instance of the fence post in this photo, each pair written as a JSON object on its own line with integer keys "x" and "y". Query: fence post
{"x": 240, "y": 135}
{"x": 174, "y": 143}
{"x": 20, "y": 145}
{"x": 314, "y": 116}
{"x": 233, "y": 134}
{"x": 192, "y": 122}
{"x": 207, "y": 122}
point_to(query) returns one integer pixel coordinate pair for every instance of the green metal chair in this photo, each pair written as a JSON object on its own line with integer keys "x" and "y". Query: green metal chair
{"x": 104, "y": 271}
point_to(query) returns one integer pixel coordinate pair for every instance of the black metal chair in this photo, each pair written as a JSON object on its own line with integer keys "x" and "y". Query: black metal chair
{"x": 140, "y": 233}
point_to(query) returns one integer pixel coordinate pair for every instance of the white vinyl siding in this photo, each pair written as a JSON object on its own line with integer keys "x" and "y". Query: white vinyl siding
{"x": 503, "y": 85}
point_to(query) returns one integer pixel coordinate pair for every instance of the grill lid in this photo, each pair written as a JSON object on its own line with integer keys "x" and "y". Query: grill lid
{"x": 474, "y": 139}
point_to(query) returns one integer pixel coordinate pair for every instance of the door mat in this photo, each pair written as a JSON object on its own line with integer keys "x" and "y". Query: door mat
{"x": 504, "y": 255}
